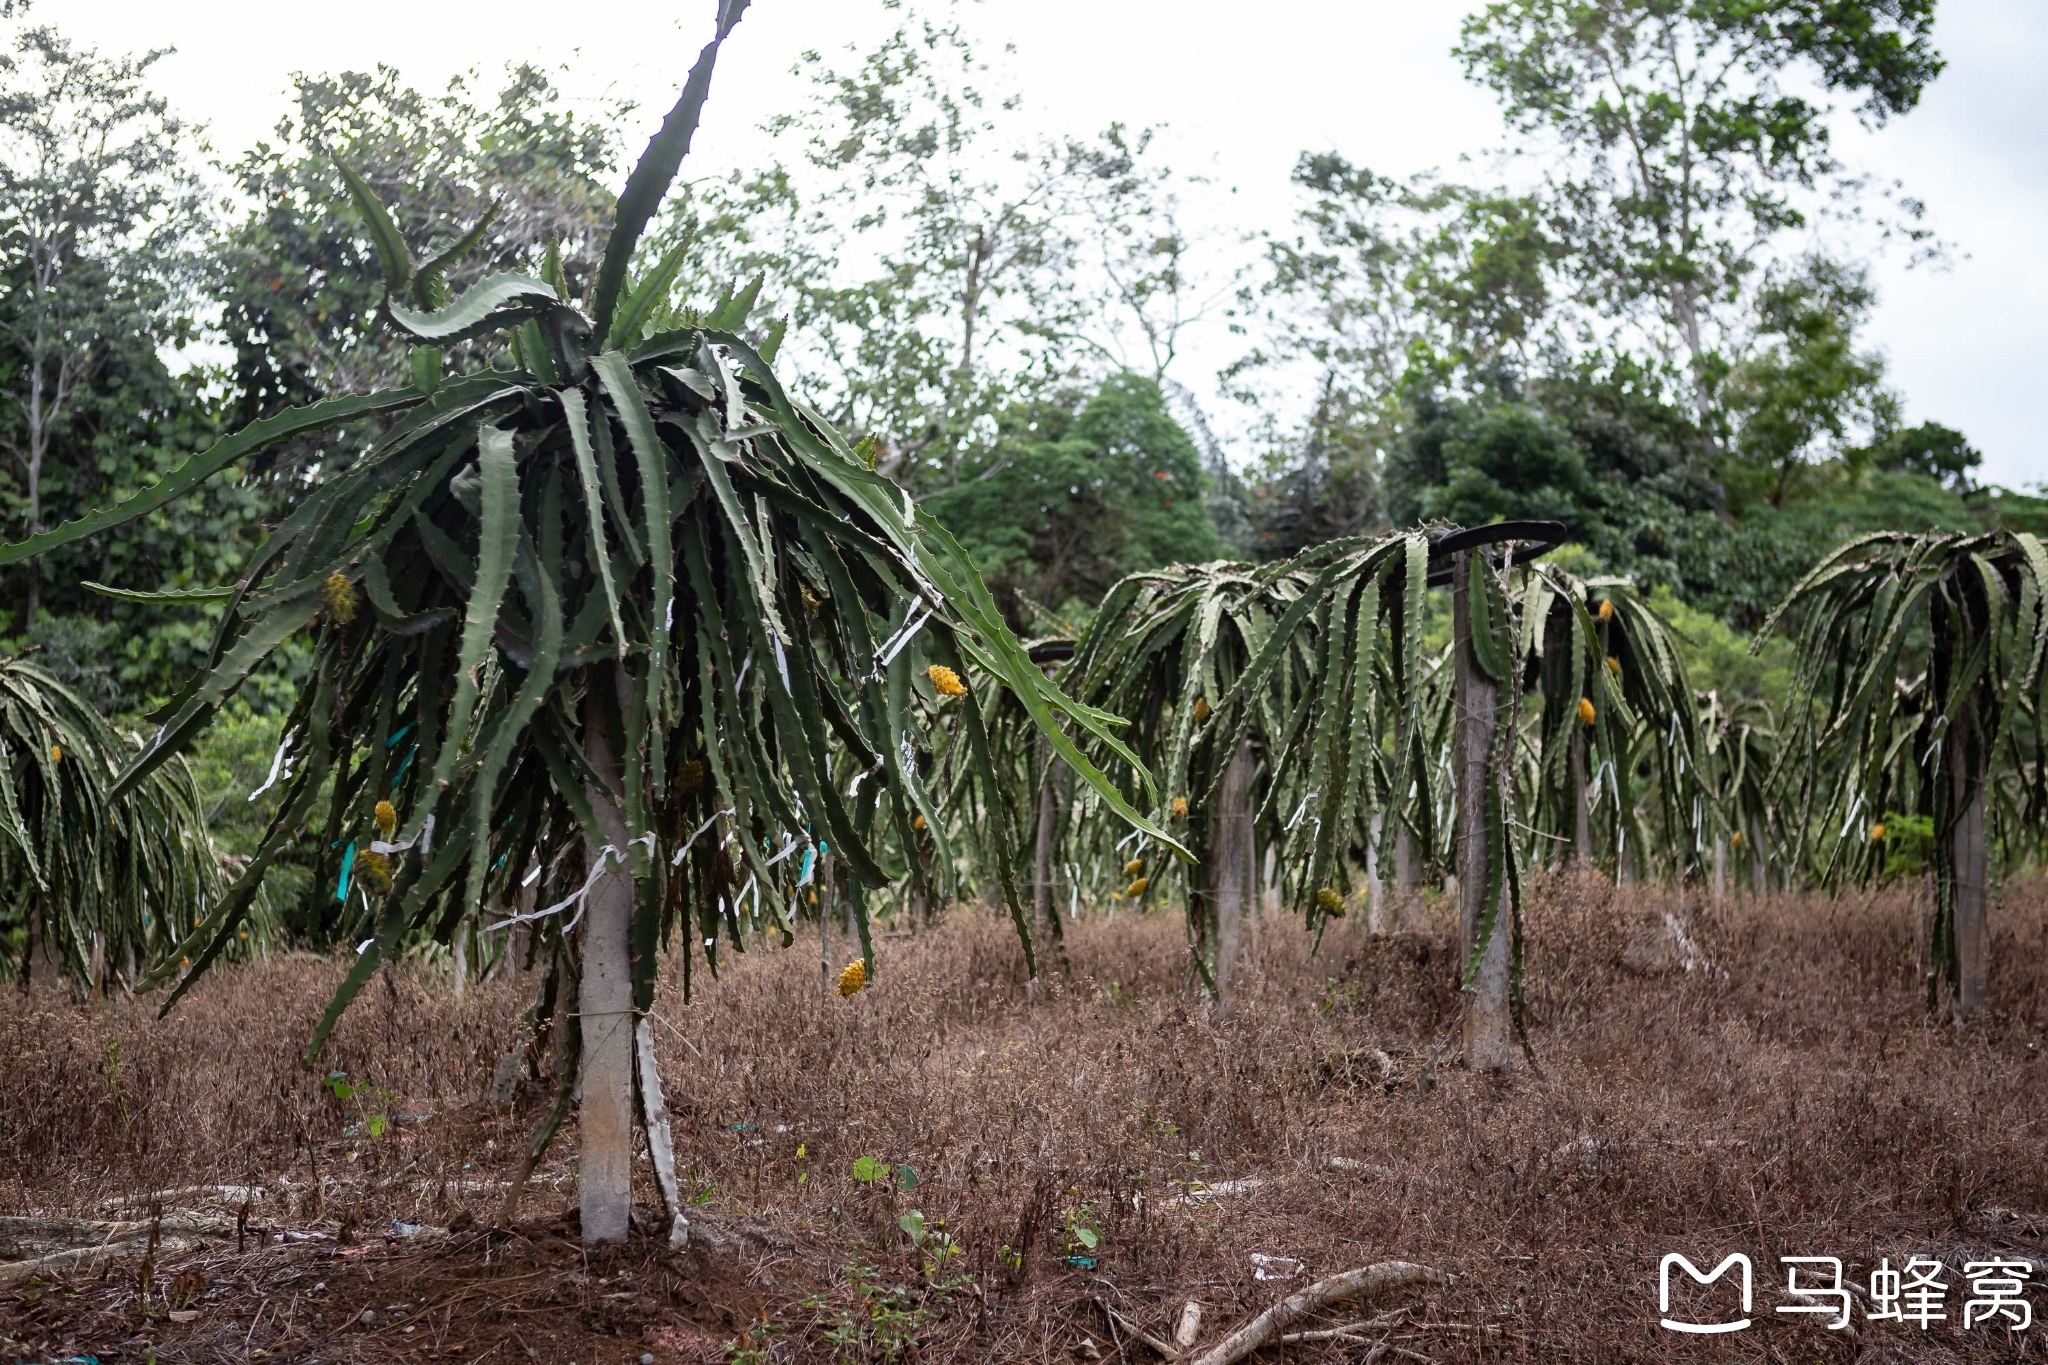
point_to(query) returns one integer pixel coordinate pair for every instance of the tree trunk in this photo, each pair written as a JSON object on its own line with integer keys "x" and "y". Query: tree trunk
{"x": 512, "y": 962}
{"x": 1375, "y": 892}
{"x": 1255, "y": 900}
{"x": 1582, "y": 805}
{"x": 605, "y": 1170}
{"x": 40, "y": 959}
{"x": 458, "y": 950}
{"x": 1969, "y": 857}
{"x": 1407, "y": 869}
{"x": 1042, "y": 908}
{"x": 32, "y": 600}
{"x": 1720, "y": 867}
{"x": 1048, "y": 934}
{"x": 1488, "y": 1021}
{"x": 826, "y": 906}
{"x": 1230, "y": 873}
{"x": 1685, "y": 308}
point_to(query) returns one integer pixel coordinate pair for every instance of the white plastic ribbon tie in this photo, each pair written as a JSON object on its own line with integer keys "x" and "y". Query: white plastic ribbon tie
{"x": 677, "y": 861}
{"x": 277, "y": 765}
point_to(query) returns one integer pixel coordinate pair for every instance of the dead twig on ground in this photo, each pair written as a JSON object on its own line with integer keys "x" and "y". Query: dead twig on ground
{"x": 1347, "y": 1331}
{"x": 1165, "y": 1349}
{"x": 1269, "y": 1326}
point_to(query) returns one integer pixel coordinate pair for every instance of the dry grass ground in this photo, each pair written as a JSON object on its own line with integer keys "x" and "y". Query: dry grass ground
{"x": 1794, "y": 1098}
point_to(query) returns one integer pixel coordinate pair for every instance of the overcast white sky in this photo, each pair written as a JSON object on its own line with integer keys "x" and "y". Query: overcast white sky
{"x": 1242, "y": 89}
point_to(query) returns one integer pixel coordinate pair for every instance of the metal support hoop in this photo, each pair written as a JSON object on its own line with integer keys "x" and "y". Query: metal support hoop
{"x": 1532, "y": 539}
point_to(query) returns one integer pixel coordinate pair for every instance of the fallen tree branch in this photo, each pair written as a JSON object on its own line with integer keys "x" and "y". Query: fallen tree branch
{"x": 12, "y": 1271}
{"x": 1345, "y": 1334}
{"x": 1348, "y": 1331}
{"x": 230, "y": 1194}
{"x": 1202, "y": 1194}
{"x": 1268, "y": 1327}
{"x": 1165, "y": 1349}
{"x": 30, "y": 1237}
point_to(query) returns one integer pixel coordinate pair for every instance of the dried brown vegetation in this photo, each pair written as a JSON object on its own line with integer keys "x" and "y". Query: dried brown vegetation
{"x": 1791, "y": 1097}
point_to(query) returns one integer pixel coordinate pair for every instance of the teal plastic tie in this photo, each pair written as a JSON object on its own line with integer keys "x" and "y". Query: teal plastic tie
{"x": 348, "y": 861}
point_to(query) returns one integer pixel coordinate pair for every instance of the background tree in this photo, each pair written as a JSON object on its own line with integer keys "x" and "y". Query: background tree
{"x": 1328, "y": 486}
{"x": 1931, "y": 450}
{"x": 1681, "y": 149}
{"x": 1071, "y": 501}
{"x": 1794, "y": 397}
{"x": 970, "y": 245}
{"x": 1417, "y": 415}
{"x": 1383, "y": 269}
{"x": 98, "y": 210}
{"x": 942, "y": 265}
{"x": 1384, "y": 277}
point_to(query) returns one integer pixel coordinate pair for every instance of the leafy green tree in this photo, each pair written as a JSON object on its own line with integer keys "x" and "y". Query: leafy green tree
{"x": 1795, "y": 398}
{"x": 941, "y": 265}
{"x": 1135, "y": 250}
{"x": 1070, "y": 502}
{"x": 1329, "y": 485}
{"x": 1929, "y": 449}
{"x": 1383, "y": 278}
{"x": 1682, "y": 148}
{"x": 98, "y": 211}
{"x": 1634, "y": 436}
{"x": 1741, "y": 572}
{"x": 1506, "y": 461}
{"x": 1578, "y": 450}
{"x": 1414, "y": 303}
{"x": 1383, "y": 268}
{"x": 956, "y": 323}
